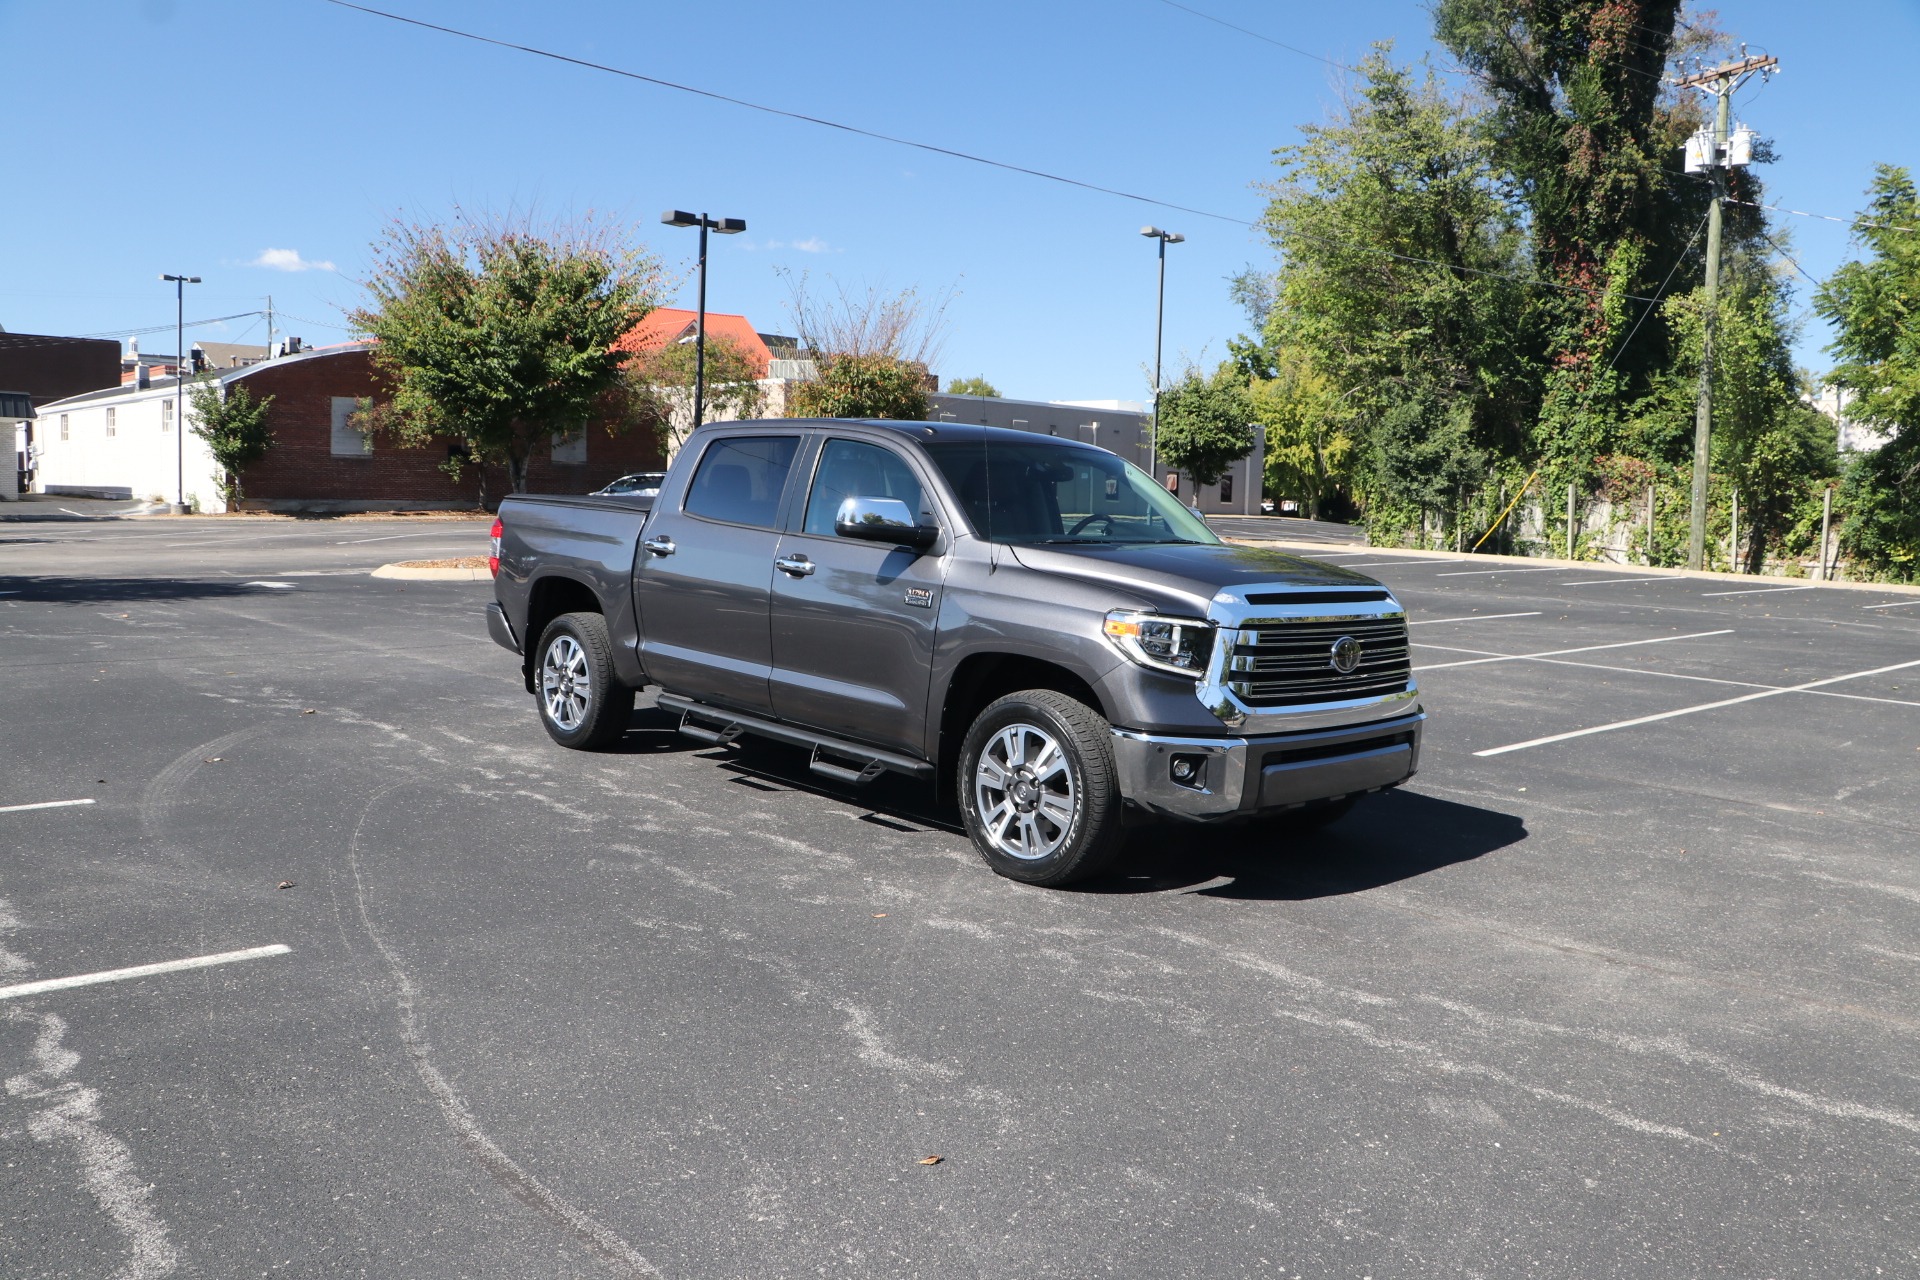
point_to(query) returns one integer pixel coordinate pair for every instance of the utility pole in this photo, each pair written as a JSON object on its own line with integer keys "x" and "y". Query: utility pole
{"x": 1159, "y": 325}
{"x": 1714, "y": 151}
{"x": 269, "y": 326}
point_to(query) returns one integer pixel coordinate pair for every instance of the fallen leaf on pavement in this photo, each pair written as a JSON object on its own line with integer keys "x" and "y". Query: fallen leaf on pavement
{"x": 933, "y": 1160}
{"x": 879, "y": 915}
{"x": 284, "y": 884}
{"x": 307, "y": 712}
{"x": 213, "y": 759}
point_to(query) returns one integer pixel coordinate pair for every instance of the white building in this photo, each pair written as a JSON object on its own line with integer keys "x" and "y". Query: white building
{"x": 123, "y": 442}
{"x": 1852, "y": 436}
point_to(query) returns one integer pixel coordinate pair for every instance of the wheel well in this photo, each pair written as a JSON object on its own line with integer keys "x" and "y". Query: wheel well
{"x": 983, "y": 677}
{"x": 551, "y": 597}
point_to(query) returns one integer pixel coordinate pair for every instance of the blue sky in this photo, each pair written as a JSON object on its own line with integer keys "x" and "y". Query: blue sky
{"x": 196, "y": 136}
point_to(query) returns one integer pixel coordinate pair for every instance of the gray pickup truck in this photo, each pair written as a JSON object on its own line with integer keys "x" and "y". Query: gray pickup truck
{"x": 1030, "y": 621}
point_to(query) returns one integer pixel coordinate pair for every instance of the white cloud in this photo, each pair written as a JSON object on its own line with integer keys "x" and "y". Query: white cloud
{"x": 812, "y": 244}
{"x": 288, "y": 260}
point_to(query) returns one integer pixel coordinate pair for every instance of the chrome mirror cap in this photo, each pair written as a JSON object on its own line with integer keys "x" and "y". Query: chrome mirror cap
{"x": 882, "y": 520}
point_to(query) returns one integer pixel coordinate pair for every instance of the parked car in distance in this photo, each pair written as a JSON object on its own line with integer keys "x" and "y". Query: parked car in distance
{"x": 639, "y": 484}
{"x": 1033, "y": 624}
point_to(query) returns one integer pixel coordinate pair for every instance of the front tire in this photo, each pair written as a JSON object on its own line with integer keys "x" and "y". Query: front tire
{"x": 581, "y": 704}
{"x": 1038, "y": 788}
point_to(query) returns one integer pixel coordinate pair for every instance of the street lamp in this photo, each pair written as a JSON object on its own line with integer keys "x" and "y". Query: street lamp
{"x": 1159, "y": 318}
{"x": 180, "y": 363}
{"x": 726, "y": 227}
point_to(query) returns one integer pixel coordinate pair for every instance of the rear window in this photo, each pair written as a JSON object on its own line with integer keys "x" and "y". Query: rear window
{"x": 740, "y": 479}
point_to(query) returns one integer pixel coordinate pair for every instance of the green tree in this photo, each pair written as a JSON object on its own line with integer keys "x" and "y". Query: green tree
{"x": 1309, "y": 442}
{"x": 1588, "y": 133}
{"x": 973, "y": 387}
{"x": 504, "y": 336}
{"x": 1402, "y": 285}
{"x": 236, "y": 431}
{"x": 1206, "y": 423}
{"x": 1874, "y": 306}
{"x": 662, "y": 380}
{"x": 861, "y": 386}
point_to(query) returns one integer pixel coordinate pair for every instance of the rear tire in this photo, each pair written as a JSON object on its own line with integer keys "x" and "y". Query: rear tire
{"x": 1038, "y": 789}
{"x": 581, "y": 704}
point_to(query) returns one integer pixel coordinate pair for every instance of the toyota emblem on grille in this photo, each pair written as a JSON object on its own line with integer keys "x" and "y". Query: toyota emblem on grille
{"x": 1346, "y": 655}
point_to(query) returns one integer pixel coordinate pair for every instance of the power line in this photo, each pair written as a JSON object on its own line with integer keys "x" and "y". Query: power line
{"x": 1175, "y": 4}
{"x": 908, "y": 142}
{"x": 1658, "y": 293}
{"x": 160, "y": 328}
{"x": 789, "y": 115}
{"x": 1826, "y": 217}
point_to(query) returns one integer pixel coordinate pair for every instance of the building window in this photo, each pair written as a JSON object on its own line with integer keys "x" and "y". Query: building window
{"x": 1226, "y": 487}
{"x": 571, "y": 449}
{"x": 166, "y": 415}
{"x": 63, "y": 426}
{"x": 348, "y": 442}
{"x": 113, "y": 423}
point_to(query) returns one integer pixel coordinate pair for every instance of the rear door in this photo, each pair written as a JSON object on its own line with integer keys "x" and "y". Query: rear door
{"x": 854, "y": 622}
{"x": 704, "y": 568}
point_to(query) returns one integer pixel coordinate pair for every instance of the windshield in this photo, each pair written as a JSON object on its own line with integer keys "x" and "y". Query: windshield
{"x": 1042, "y": 492}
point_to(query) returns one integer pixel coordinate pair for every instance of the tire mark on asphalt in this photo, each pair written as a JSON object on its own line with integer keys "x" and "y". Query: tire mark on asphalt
{"x": 518, "y": 1182}
{"x": 72, "y": 1118}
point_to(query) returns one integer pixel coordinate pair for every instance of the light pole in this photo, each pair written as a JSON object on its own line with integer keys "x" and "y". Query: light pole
{"x": 180, "y": 363}
{"x": 726, "y": 227}
{"x": 1159, "y": 321}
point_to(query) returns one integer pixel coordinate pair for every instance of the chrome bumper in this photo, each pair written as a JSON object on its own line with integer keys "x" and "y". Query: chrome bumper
{"x": 1238, "y": 777}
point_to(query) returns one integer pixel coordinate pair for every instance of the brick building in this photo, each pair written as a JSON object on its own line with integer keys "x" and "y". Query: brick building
{"x": 120, "y": 443}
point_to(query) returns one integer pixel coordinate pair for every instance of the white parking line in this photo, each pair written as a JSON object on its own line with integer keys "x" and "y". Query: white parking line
{"x": 1897, "y": 604}
{"x": 1687, "y": 711}
{"x": 44, "y": 804}
{"x": 1381, "y": 564}
{"x": 1473, "y": 573}
{"x": 140, "y": 971}
{"x": 1736, "y": 684}
{"x": 1555, "y": 653}
{"x": 453, "y": 535}
{"x": 1478, "y": 617}
{"x": 1605, "y": 582}
{"x": 1753, "y": 591}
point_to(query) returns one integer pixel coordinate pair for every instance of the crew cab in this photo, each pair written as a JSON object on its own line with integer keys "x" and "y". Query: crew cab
{"x": 1029, "y": 623}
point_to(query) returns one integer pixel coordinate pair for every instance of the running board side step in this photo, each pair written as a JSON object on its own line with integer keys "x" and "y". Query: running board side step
{"x": 850, "y": 763}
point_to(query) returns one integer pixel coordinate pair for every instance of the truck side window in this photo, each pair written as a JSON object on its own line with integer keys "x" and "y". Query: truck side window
{"x": 740, "y": 479}
{"x": 849, "y": 469}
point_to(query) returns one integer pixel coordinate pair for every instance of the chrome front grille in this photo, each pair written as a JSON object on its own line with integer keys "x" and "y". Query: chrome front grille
{"x": 1289, "y": 662}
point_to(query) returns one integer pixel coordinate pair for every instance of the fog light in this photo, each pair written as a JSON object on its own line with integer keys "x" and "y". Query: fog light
{"x": 1189, "y": 770}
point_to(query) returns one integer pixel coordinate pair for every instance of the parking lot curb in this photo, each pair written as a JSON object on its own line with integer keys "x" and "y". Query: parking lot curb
{"x": 1601, "y": 566}
{"x": 431, "y": 575}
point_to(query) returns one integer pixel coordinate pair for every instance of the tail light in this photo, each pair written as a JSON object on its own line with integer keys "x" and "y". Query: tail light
{"x": 493, "y": 548}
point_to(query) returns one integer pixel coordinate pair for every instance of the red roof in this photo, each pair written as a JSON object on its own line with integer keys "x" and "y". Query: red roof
{"x": 667, "y": 325}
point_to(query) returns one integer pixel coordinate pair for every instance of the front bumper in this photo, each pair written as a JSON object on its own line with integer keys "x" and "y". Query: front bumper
{"x": 1240, "y": 777}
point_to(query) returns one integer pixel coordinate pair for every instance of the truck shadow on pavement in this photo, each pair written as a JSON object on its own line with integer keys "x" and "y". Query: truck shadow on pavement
{"x": 121, "y": 590}
{"x": 1395, "y": 836}
{"x": 1387, "y": 838}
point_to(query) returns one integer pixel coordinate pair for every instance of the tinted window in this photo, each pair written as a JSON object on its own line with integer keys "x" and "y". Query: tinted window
{"x": 1014, "y": 491}
{"x": 849, "y": 469}
{"x": 740, "y": 479}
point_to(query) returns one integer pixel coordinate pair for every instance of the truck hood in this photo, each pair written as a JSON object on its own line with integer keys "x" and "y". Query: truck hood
{"x": 1189, "y": 575}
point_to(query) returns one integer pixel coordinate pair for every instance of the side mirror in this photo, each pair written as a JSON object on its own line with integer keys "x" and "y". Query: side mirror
{"x": 882, "y": 520}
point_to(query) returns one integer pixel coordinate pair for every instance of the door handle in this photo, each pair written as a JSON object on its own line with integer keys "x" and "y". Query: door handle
{"x": 660, "y": 546}
{"x": 798, "y": 566}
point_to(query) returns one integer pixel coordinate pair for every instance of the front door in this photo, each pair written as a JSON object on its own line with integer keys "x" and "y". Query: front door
{"x": 701, "y": 579}
{"x": 854, "y": 622}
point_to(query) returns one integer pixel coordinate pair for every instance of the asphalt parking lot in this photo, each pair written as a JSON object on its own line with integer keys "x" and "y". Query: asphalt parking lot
{"x": 1620, "y": 985}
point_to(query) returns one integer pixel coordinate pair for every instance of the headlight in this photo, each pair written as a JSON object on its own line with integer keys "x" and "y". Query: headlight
{"x": 1181, "y": 646}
